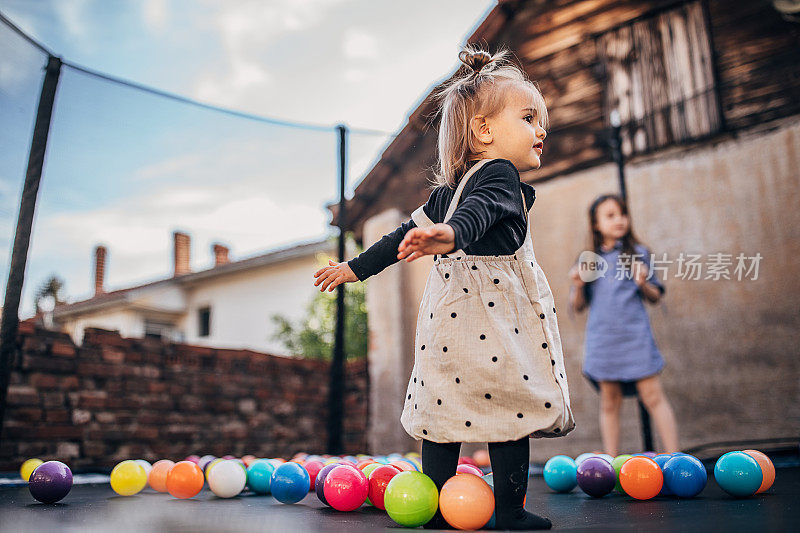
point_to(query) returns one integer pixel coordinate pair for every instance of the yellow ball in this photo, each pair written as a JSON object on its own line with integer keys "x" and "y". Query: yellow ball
{"x": 28, "y": 467}
{"x": 128, "y": 478}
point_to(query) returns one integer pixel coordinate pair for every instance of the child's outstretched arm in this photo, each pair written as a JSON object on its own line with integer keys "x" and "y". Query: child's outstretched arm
{"x": 372, "y": 260}
{"x": 494, "y": 195}
{"x": 334, "y": 275}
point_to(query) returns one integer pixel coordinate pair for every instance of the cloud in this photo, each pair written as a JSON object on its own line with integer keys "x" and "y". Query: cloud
{"x": 155, "y": 14}
{"x": 359, "y": 44}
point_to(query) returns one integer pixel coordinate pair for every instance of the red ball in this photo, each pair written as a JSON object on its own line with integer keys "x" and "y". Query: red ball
{"x": 313, "y": 468}
{"x": 346, "y": 488}
{"x": 467, "y": 461}
{"x": 378, "y": 479}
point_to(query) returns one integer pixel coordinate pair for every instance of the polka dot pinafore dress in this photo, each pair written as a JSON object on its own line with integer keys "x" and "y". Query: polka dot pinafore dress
{"x": 488, "y": 365}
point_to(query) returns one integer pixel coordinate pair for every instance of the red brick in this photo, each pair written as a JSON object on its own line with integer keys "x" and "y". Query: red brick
{"x": 52, "y": 431}
{"x": 22, "y": 395}
{"x": 44, "y": 381}
{"x": 62, "y": 349}
{"x": 25, "y": 414}
{"x": 112, "y": 354}
{"x": 44, "y": 363}
{"x": 57, "y": 415}
{"x": 92, "y": 399}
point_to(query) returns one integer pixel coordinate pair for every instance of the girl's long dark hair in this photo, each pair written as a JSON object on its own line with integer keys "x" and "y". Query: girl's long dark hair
{"x": 629, "y": 240}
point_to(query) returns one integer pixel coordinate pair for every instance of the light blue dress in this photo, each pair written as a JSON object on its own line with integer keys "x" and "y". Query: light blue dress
{"x": 619, "y": 342}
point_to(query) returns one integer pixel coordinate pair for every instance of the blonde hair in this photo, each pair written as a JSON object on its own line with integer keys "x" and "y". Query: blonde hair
{"x": 478, "y": 87}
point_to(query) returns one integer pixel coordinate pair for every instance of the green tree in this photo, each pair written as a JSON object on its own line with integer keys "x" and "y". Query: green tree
{"x": 54, "y": 287}
{"x": 312, "y": 337}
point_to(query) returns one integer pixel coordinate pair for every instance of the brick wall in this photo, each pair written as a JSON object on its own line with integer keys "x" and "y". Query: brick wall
{"x": 115, "y": 398}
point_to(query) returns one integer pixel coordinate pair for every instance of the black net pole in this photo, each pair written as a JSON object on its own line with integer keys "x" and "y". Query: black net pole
{"x": 337, "y": 385}
{"x": 19, "y": 256}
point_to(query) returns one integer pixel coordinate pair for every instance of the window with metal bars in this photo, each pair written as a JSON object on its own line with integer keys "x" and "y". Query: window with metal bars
{"x": 660, "y": 79}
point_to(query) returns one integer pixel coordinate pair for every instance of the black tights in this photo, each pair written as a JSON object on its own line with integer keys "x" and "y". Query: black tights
{"x": 510, "y": 468}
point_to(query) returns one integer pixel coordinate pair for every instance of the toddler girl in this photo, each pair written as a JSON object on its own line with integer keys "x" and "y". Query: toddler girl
{"x": 620, "y": 351}
{"x": 488, "y": 365}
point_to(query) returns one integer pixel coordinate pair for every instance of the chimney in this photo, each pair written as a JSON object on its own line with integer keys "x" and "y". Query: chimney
{"x": 181, "y": 253}
{"x": 99, "y": 269}
{"x": 220, "y": 254}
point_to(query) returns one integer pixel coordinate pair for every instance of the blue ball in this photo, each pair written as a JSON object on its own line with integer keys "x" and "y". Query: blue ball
{"x": 738, "y": 474}
{"x": 290, "y": 483}
{"x": 661, "y": 460}
{"x": 560, "y": 473}
{"x": 685, "y": 476}
{"x": 259, "y": 476}
{"x": 489, "y": 479}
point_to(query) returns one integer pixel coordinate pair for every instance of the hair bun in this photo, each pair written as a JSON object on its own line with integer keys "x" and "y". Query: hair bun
{"x": 475, "y": 60}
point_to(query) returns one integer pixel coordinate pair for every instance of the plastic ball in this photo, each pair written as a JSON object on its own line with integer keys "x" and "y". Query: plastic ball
{"x": 346, "y": 488}
{"x": 403, "y": 466}
{"x": 247, "y": 459}
{"x": 203, "y": 461}
{"x": 641, "y": 478}
{"x": 28, "y": 467}
{"x": 617, "y": 464}
{"x": 50, "y": 482}
{"x": 227, "y": 479}
{"x": 582, "y": 457}
{"x": 481, "y": 458}
{"x": 313, "y": 468}
{"x": 212, "y": 464}
{"x": 661, "y": 461}
{"x": 185, "y": 480}
{"x": 738, "y": 474}
{"x": 319, "y": 483}
{"x": 767, "y": 469}
{"x": 259, "y": 476}
{"x": 128, "y": 478}
{"x": 595, "y": 477}
{"x": 193, "y": 459}
{"x": 466, "y": 501}
{"x": 464, "y": 460}
{"x": 157, "y": 479}
{"x": 465, "y": 468}
{"x": 560, "y": 473}
{"x": 146, "y": 465}
{"x": 605, "y": 456}
{"x": 289, "y": 483}
{"x": 379, "y": 478}
{"x": 364, "y": 462}
{"x": 684, "y": 476}
{"x": 411, "y": 499}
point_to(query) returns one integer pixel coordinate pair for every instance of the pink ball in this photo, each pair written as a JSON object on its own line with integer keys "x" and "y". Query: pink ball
{"x": 467, "y": 461}
{"x": 465, "y": 468}
{"x": 193, "y": 458}
{"x": 346, "y": 488}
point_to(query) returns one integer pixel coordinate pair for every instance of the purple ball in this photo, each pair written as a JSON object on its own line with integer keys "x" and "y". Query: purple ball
{"x": 320, "y": 481}
{"x": 650, "y": 454}
{"x": 50, "y": 482}
{"x": 596, "y": 477}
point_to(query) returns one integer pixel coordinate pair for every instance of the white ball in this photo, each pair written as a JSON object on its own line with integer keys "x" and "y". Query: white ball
{"x": 147, "y": 466}
{"x": 582, "y": 457}
{"x": 606, "y": 457}
{"x": 227, "y": 479}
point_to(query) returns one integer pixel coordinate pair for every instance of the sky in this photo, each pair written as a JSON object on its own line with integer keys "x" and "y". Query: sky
{"x": 125, "y": 169}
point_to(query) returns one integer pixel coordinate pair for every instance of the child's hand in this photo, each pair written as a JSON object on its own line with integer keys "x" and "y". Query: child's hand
{"x": 437, "y": 239}
{"x": 575, "y": 276}
{"x": 639, "y": 271}
{"x": 331, "y": 276}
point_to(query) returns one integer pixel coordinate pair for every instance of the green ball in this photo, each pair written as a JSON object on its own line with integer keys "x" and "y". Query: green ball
{"x": 617, "y": 464}
{"x": 411, "y": 499}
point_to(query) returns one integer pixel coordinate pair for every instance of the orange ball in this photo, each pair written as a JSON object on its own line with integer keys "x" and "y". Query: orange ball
{"x": 365, "y": 462}
{"x": 403, "y": 466}
{"x": 157, "y": 478}
{"x": 466, "y": 501}
{"x": 248, "y": 459}
{"x": 481, "y": 458}
{"x": 641, "y": 477}
{"x": 767, "y": 469}
{"x": 185, "y": 480}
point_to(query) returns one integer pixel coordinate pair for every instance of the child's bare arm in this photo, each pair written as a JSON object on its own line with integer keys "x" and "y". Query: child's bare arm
{"x": 577, "y": 299}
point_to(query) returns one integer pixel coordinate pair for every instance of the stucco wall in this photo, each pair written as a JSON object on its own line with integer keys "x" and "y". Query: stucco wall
{"x": 731, "y": 347}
